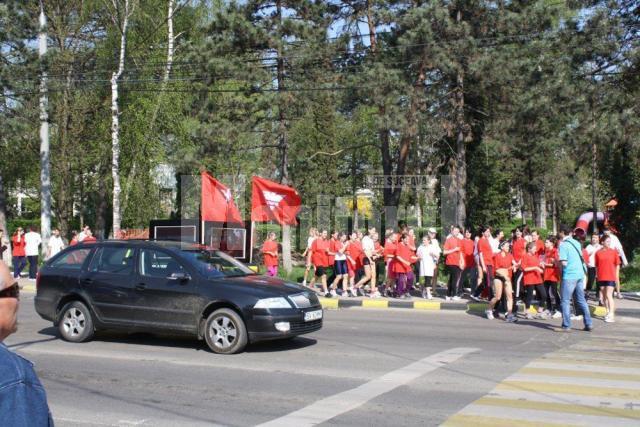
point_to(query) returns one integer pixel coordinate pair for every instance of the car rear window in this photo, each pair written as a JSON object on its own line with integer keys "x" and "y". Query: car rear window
{"x": 72, "y": 260}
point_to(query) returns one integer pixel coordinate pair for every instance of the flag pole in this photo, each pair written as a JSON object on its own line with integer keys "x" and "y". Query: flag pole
{"x": 251, "y": 242}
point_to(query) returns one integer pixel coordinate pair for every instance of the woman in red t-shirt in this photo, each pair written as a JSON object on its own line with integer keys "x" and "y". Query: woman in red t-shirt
{"x": 402, "y": 265}
{"x": 354, "y": 253}
{"x": 607, "y": 274}
{"x": 270, "y": 254}
{"x": 504, "y": 265}
{"x": 18, "y": 255}
{"x": 389, "y": 254}
{"x": 551, "y": 276}
{"x": 320, "y": 260}
{"x": 533, "y": 280}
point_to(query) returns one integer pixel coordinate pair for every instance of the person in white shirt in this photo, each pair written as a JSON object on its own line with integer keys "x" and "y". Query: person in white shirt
{"x": 591, "y": 249}
{"x": 368, "y": 247}
{"x": 428, "y": 255}
{"x": 495, "y": 241}
{"x": 32, "y": 249}
{"x": 55, "y": 244}
{"x": 436, "y": 251}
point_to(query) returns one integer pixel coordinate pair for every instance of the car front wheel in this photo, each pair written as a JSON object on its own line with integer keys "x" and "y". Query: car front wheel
{"x": 76, "y": 323}
{"x": 225, "y": 332}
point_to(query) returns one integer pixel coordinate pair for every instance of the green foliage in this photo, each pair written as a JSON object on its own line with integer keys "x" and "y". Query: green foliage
{"x": 489, "y": 198}
{"x": 294, "y": 90}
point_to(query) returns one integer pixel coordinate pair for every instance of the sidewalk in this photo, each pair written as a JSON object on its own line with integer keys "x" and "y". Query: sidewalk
{"x": 629, "y": 306}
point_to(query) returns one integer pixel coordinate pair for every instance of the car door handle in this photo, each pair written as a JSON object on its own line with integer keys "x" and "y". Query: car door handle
{"x": 141, "y": 287}
{"x": 87, "y": 281}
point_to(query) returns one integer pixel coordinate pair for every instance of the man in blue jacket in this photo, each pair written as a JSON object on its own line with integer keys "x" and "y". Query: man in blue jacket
{"x": 23, "y": 401}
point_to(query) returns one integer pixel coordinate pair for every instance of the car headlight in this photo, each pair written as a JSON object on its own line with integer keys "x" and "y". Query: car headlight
{"x": 272, "y": 303}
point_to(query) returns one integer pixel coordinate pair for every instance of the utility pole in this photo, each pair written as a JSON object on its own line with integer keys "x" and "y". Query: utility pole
{"x": 45, "y": 167}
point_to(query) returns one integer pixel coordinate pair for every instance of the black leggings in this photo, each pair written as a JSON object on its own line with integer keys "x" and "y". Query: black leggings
{"x": 487, "y": 282}
{"x": 542, "y": 295}
{"x": 591, "y": 278}
{"x": 552, "y": 290}
{"x": 454, "y": 280}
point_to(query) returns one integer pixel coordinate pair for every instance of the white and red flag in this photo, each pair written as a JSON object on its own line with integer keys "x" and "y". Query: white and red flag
{"x": 216, "y": 202}
{"x": 271, "y": 201}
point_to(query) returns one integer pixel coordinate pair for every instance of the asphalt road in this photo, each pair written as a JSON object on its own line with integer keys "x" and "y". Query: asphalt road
{"x": 365, "y": 367}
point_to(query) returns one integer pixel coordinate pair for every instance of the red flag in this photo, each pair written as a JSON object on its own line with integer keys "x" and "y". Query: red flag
{"x": 216, "y": 202}
{"x": 273, "y": 201}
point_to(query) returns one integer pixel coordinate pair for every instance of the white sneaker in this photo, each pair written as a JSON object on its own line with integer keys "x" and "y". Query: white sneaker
{"x": 447, "y": 298}
{"x": 609, "y": 319}
{"x": 334, "y": 293}
{"x": 429, "y": 294}
{"x": 304, "y": 283}
{"x": 456, "y": 298}
{"x": 576, "y": 317}
{"x": 489, "y": 314}
{"x": 557, "y": 315}
{"x": 376, "y": 294}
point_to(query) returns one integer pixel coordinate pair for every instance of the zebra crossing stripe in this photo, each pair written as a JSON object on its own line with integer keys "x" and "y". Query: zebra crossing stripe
{"x": 594, "y": 383}
{"x": 570, "y": 389}
{"x": 462, "y": 420}
{"x": 579, "y": 374}
{"x": 560, "y": 407}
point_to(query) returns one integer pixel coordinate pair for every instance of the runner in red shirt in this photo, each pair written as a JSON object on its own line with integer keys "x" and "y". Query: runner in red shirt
{"x": 402, "y": 265}
{"x": 535, "y": 238}
{"x": 533, "y": 280}
{"x": 608, "y": 274}
{"x": 470, "y": 269}
{"x": 354, "y": 253}
{"x": 389, "y": 254}
{"x": 270, "y": 254}
{"x": 18, "y": 254}
{"x": 505, "y": 266}
{"x": 320, "y": 260}
{"x": 552, "y": 276}
{"x": 454, "y": 260}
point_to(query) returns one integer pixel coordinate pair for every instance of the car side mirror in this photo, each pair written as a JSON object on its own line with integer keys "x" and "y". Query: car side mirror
{"x": 180, "y": 277}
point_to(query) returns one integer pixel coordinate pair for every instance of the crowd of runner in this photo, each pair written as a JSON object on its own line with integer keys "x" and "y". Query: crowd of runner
{"x": 486, "y": 265}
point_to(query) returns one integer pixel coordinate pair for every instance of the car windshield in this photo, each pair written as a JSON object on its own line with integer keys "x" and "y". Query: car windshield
{"x": 215, "y": 264}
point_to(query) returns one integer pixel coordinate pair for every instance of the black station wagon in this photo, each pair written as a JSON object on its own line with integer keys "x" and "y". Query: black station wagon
{"x": 170, "y": 287}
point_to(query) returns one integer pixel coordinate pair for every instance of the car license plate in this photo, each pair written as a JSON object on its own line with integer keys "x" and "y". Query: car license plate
{"x": 312, "y": 315}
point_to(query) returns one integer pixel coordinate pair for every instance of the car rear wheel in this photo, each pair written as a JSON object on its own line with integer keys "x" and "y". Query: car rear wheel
{"x": 225, "y": 332}
{"x": 76, "y": 323}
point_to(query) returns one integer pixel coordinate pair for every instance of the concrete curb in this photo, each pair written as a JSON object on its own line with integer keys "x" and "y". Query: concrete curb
{"x": 470, "y": 307}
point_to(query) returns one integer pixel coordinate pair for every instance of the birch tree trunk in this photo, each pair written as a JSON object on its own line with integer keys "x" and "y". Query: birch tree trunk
{"x": 541, "y": 209}
{"x": 3, "y": 221}
{"x": 115, "y": 112}
{"x": 171, "y": 39}
{"x": 45, "y": 163}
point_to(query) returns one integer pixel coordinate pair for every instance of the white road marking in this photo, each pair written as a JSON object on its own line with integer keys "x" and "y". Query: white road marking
{"x": 546, "y": 416}
{"x": 330, "y": 407}
{"x": 622, "y": 369}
